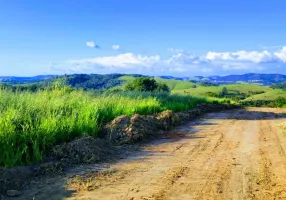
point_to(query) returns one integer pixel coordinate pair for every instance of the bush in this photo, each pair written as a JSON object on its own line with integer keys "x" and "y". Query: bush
{"x": 280, "y": 102}
{"x": 223, "y": 92}
{"x": 162, "y": 87}
{"x": 255, "y": 92}
{"x": 206, "y": 84}
{"x": 145, "y": 84}
{"x": 212, "y": 94}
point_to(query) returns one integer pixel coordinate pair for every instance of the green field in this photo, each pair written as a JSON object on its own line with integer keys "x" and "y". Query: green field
{"x": 32, "y": 122}
{"x": 232, "y": 89}
{"x": 269, "y": 95}
{"x": 196, "y": 89}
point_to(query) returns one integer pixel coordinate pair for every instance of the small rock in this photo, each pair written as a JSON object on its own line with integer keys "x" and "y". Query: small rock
{"x": 13, "y": 193}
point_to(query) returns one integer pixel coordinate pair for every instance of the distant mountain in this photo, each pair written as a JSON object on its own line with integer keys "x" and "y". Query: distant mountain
{"x": 96, "y": 81}
{"x": 263, "y": 79}
{"x": 15, "y": 79}
{"x": 83, "y": 81}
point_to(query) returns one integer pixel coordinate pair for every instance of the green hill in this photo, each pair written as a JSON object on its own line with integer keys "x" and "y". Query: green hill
{"x": 197, "y": 89}
{"x": 242, "y": 91}
{"x": 270, "y": 95}
{"x": 172, "y": 84}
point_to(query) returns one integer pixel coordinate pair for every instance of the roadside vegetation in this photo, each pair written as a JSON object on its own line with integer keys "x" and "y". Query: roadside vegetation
{"x": 36, "y": 116}
{"x": 31, "y": 122}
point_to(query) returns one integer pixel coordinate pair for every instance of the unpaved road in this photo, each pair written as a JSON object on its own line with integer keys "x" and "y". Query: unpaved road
{"x": 226, "y": 155}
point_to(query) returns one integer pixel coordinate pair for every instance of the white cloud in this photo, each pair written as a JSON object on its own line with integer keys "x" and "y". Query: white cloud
{"x": 92, "y": 44}
{"x": 126, "y": 60}
{"x": 251, "y": 56}
{"x": 182, "y": 63}
{"x": 115, "y": 47}
{"x": 185, "y": 58}
{"x": 281, "y": 54}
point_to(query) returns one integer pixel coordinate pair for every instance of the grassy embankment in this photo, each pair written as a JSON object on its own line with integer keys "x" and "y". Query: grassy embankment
{"x": 31, "y": 123}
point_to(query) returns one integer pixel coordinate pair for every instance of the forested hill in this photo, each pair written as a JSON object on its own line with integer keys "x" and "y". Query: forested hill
{"x": 83, "y": 81}
{"x": 100, "y": 82}
{"x": 21, "y": 80}
{"x": 95, "y": 80}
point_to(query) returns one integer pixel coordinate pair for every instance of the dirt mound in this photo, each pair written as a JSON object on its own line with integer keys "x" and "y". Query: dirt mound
{"x": 83, "y": 150}
{"x": 215, "y": 107}
{"x": 188, "y": 115}
{"x": 126, "y": 130}
{"x": 115, "y": 129}
{"x": 167, "y": 120}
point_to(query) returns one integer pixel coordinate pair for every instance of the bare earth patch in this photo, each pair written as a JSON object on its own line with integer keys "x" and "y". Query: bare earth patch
{"x": 234, "y": 155}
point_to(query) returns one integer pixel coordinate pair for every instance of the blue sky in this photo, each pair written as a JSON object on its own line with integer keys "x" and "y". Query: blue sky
{"x": 181, "y": 38}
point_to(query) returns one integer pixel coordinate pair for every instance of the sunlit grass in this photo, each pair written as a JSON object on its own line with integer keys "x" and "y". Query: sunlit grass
{"x": 30, "y": 123}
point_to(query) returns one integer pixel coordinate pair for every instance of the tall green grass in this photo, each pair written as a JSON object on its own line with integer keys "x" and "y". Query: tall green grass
{"x": 30, "y": 123}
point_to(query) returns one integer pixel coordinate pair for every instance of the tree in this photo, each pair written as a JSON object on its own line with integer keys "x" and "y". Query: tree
{"x": 163, "y": 87}
{"x": 206, "y": 84}
{"x": 146, "y": 84}
{"x": 223, "y": 92}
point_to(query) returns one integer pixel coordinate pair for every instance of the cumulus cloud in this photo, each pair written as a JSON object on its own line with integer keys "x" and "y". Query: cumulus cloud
{"x": 281, "y": 54}
{"x": 126, "y": 60}
{"x": 249, "y": 56}
{"x": 92, "y": 44}
{"x": 252, "y": 56}
{"x": 115, "y": 47}
{"x": 183, "y": 63}
{"x": 186, "y": 59}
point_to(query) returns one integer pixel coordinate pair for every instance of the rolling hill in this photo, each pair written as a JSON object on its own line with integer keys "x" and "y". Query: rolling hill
{"x": 254, "y": 91}
{"x": 244, "y": 90}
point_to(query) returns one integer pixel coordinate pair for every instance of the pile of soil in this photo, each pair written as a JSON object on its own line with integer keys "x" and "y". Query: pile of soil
{"x": 83, "y": 150}
{"x": 128, "y": 130}
{"x": 122, "y": 130}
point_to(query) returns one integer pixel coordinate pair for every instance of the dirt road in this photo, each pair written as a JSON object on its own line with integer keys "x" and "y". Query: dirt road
{"x": 227, "y": 155}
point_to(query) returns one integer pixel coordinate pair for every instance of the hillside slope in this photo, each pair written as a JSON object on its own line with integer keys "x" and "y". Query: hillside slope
{"x": 197, "y": 89}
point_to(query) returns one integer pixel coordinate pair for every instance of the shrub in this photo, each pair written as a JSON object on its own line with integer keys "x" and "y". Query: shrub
{"x": 145, "y": 84}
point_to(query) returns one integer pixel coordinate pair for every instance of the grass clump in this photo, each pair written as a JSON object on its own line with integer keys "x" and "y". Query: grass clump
{"x": 32, "y": 122}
